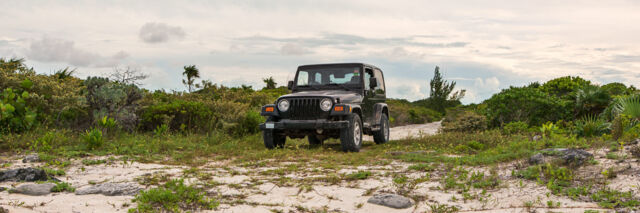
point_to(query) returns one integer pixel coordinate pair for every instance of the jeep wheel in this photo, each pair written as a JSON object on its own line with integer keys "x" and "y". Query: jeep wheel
{"x": 271, "y": 137}
{"x": 351, "y": 137}
{"x": 382, "y": 136}
{"x": 314, "y": 141}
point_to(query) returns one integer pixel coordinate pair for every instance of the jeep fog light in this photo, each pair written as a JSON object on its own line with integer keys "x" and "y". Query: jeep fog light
{"x": 325, "y": 104}
{"x": 283, "y": 105}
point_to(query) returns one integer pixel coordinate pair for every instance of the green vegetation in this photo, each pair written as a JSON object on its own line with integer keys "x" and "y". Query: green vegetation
{"x": 62, "y": 187}
{"x": 62, "y": 117}
{"x": 173, "y": 196}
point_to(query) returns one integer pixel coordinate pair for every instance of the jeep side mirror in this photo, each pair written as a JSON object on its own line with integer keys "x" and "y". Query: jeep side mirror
{"x": 373, "y": 82}
{"x": 290, "y": 85}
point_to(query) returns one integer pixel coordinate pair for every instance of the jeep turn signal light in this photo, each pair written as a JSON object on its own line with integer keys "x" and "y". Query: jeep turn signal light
{"x": 269, "y": 109}
{"x": 338, "y": 108}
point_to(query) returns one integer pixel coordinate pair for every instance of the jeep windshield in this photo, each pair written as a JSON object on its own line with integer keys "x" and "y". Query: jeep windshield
{"x": 329, "y": 78}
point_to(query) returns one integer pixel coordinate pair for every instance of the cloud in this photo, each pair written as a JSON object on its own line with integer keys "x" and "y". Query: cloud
{"x": 153, "y": 32}
{"x": 59, "y": 50}
{"x": 293, "y": 49}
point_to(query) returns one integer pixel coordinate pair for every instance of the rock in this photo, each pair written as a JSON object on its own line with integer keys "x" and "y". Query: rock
{"x": 635, "y": 151}
{"x": 34, "y": 189}
{"x": 570, "y": 157}
{"x": 391, "y": 200}
{"x": 31, "y": 158}
{"x": 576, "y": 157}
{"x": 536, "y": 138}
{"x": 536, "y": 159}
{"x": 24, "y": 174}
{"x": 634, "y": 142}
{"x": 110, "y": 189}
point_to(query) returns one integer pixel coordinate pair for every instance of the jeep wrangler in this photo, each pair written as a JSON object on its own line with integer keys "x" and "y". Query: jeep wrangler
{"x": 330, "y": 101}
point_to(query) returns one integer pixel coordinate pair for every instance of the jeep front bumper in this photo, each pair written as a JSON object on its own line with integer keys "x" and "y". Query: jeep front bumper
{"x": 304, "y": 124}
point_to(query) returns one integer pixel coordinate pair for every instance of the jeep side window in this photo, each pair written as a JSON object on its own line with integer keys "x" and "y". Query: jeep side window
{"x": 380, "y": 79}
{"x": 367, "y": 78}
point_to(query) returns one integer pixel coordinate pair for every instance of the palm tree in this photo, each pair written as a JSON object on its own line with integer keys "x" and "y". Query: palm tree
{"x": 192, "y": 73}
{"x": 591, "y": 100}
{"x": 271, "y": 84}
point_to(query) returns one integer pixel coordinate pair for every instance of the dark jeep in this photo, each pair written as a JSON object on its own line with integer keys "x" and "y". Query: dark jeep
{"x": 330, "y": 101}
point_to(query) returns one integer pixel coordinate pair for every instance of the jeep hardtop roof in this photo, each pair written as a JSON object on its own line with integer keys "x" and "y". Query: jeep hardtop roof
{"x": 336, "y": 65}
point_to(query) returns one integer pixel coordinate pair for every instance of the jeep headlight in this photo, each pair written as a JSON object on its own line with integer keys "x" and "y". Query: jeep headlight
{"x": 283, "y": 105}
{"x": 325, "y": 104}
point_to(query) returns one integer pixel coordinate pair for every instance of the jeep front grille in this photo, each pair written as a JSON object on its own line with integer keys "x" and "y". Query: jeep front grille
{"x": 305, "y": 109}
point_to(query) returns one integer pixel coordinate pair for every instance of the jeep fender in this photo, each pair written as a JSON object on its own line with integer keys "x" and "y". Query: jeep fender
{"x": 379, "y": 109}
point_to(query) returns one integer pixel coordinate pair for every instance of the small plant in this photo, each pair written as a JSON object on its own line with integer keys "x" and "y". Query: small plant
{"x": 161, "y": 130}
{"x": 443, "y": 208}
{"x": 53, "y": 172}
{"x": 107, "y": 123}
{"x": 62, "y": 187}
{"x": 360, "y": 175}
{"x": 173, "y": 196}
{"x": 515, "y": 128}
{"x": 591, "y": 125}
{"x": 423, "y": 167}
{"x": 88, "y": 162}
{"x": 549, "y": 129}
{"x": 93, "y": 139}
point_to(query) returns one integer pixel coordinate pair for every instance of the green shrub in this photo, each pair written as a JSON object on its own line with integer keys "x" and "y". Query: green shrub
{"x": 564, "y": 87}
{"x": 161, "y": 130}
{"x": 590, "y": 126}
{"x": 114, "y": 100}
{"x": 466, "y": 122}
{"x": 63, "y": 186}
{"x": 15, "y": 114}
{"x": 591, "y": 100}
{"x": 360, "y": 175}
{"x": 177, "y": 115}
{"x": 515, "y": 128}
{"x": 529, "y": 105}
{"x": 173, "y": 196}
{"x": 404, "y": 112}
{"x": 93, "y": 139}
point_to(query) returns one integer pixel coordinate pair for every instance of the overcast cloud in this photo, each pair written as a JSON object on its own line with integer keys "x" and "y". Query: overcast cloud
{"x": 484, "y": 46}
{"x": 160, "y": 32}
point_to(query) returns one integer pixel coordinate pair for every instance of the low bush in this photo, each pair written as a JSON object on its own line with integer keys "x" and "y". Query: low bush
{"x": 515, "y": 128}
{"x": 465, "y": 122}
{"x": 173, "y": 196}
{"x": 525, "y": 104}
{"x": 590, "y": 126}
{"x": 93, "y": 139}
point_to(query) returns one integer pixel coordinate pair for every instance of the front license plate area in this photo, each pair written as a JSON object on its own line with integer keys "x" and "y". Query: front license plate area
{"x": 270, "y": 125}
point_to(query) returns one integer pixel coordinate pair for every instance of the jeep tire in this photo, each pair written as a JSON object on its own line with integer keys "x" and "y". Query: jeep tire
{"x": 382, "y": 136}
{"x": 271, "y": 137}
{"x": 314, "y": 141}
{"x": 351, "y": 137}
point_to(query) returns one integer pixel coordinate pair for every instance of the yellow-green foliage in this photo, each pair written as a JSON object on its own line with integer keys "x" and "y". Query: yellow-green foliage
{"x": 404, "y": 112}
{"x": 58, "y": 100}
{"x": 466, "y": 121}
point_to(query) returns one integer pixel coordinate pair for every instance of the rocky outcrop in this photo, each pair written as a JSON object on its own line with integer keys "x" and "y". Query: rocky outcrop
{"x": 110, "y": 189}
{"x": 23, "y": 174}
{"x": 31, "y": 158}
{"x": 568, "y": 157}
{"x": 391, "y": 200}
{"x": 34, "y": 189}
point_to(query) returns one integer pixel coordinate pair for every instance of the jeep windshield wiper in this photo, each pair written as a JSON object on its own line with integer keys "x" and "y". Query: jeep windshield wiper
{"x": 341, "y": 85}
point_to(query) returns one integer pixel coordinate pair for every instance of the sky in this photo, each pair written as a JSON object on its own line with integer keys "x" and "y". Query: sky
{"x": 484, "y": 46}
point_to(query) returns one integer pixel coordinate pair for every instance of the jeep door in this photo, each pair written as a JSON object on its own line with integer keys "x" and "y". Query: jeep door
{"x": 368, "y": 111}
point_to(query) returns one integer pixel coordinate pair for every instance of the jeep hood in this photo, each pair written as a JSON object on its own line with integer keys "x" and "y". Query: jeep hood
{"x": 343, "y": 95}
